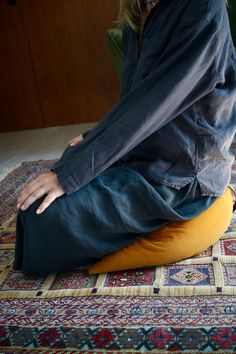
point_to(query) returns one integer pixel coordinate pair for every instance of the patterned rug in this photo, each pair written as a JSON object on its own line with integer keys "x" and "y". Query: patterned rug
{"x": 120, "y": 312}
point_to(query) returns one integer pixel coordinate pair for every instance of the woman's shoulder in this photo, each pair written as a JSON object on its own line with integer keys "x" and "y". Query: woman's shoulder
{"x": 204, "y": 9}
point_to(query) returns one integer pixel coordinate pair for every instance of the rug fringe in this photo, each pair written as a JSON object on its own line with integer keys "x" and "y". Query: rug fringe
{"x": 8, "y": 170}
{"x": 162, "y": 292}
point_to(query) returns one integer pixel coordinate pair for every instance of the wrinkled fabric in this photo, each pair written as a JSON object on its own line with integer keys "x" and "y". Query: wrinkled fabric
{"x": 107, "y": 214}
{"x": 176, "y": 116}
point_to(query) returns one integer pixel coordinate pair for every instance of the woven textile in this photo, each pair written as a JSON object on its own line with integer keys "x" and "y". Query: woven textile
{"x": 116, "y": 324}
{"x": 212, "y": 272}
{"x": 121, "y": 312}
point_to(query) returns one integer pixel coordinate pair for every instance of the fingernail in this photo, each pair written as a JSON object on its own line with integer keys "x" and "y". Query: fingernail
{"x": 72, "y": 144}
{"x": 18, "y": 205}
{"x": 23, "y": 207}
{"x": 38, "y": 211}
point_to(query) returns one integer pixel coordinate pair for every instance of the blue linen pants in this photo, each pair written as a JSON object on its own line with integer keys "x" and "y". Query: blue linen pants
{"x": 112, "y": 211}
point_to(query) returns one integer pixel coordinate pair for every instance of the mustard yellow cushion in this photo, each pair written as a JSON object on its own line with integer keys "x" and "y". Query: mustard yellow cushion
{"x": 174, "y": 242}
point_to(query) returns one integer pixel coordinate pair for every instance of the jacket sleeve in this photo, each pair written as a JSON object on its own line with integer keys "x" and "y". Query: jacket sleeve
{"x": 185, "y": 72}
{"x": 84, "y": 134}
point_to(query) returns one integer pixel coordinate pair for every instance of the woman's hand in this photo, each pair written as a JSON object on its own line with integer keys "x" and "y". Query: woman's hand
{"x": 46, "y": 183}
{"x": 75, "y": 140}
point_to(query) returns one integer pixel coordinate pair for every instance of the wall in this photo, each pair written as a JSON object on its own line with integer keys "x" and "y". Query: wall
{"x": 55, "y": 67}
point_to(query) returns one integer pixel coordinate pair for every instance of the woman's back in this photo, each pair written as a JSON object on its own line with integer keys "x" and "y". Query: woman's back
{"x": 185, "y": 73}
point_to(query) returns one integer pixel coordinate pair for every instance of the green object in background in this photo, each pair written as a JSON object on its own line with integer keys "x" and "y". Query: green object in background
{"x": 114, "y": 40}
{"x": 232, "y": 18}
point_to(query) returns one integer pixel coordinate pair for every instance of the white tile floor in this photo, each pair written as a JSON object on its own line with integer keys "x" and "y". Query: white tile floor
{"x": 47, "y": 143}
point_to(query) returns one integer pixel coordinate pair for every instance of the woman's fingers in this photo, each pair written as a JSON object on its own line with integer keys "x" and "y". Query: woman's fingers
{"x": 52, "y": 195}
{"x": 46, "y": 183}
{"x": 75, "y": 140}
{"x": 33, "y": 187}
{"x": 31, "y": 198}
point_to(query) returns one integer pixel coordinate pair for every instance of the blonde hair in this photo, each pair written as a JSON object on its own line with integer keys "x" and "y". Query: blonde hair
{"x": 130, "y": 13}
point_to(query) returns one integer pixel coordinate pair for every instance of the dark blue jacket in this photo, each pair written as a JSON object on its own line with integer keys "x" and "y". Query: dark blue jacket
{"x": 176, "y": 116}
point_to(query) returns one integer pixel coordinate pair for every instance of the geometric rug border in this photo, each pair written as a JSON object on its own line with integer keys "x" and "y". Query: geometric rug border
{"x": 152, "y": 290}
{"x": 116, "y": 340}
{"x": 108, "y": 351}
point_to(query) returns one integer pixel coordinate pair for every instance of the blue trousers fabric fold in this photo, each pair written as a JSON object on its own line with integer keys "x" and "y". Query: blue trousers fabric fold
{"x": 112, "y": 211}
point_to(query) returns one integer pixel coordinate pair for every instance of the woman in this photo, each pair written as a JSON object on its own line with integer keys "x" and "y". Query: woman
{"x": 160, "y": 154}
